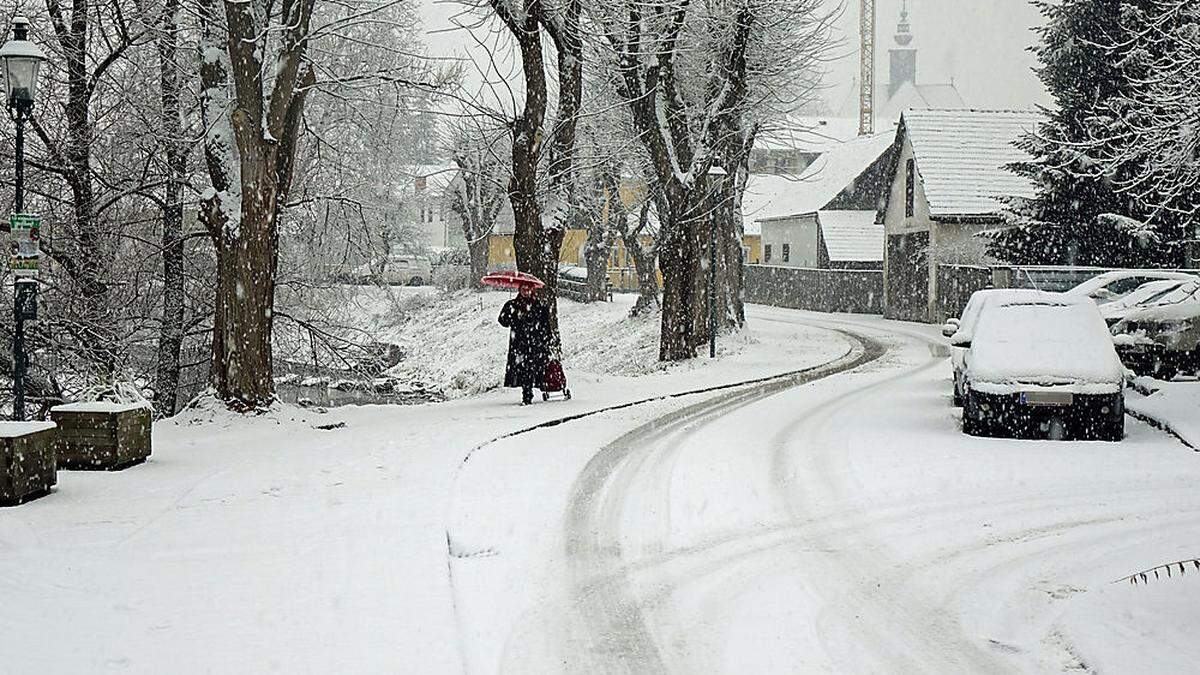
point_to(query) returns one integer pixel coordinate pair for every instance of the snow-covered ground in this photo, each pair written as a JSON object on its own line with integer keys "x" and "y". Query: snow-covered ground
{"x": 268, "y": 544}
{"x": 1170, "y": 405}
{"x": 454, "y": 345}
{"x": 842, "y": 525}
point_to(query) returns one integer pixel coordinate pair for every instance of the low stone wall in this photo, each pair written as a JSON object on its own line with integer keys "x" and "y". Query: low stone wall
{"x": 955, "y": 284}
{"x": 852, "y": 291}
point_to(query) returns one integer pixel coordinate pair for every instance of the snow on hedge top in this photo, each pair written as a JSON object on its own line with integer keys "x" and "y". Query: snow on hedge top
{"x": 961, "y": 155}
{"x": 851, "y": 236}
{"x": 1060, "y": 344}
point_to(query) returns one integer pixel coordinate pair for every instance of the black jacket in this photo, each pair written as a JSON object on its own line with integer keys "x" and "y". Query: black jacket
{"x": 528, "y": 341}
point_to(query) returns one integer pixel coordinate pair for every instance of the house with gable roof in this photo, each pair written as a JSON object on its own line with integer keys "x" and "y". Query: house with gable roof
{"x": 947, "y": 182}
{"x": 825, "y": 217}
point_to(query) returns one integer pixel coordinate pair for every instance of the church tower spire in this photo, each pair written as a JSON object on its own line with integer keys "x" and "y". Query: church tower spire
{"x": 903, "y": 55}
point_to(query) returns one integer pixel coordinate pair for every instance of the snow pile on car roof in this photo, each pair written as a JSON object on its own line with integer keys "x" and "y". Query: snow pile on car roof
{"x": 1182, "y": 303}
{"x": 1061, "y": 344}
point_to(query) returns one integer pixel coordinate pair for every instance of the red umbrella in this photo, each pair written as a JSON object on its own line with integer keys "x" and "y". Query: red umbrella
{"x": 513, "y": 280}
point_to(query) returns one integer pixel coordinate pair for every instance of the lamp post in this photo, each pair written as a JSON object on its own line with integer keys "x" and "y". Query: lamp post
{"x": 20, "y": 60}
{"x": 714, "y": 178}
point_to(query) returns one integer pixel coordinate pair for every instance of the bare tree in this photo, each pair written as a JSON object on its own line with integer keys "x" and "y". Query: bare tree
{"x": 696, "y": 77}
{"x": 477, "y": 193}
{"x": 176, "y": 150}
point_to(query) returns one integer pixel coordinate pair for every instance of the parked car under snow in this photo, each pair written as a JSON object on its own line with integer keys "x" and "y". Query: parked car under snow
{"x": 1043, "y": 367}
{"x": 1110, "y": 286}
{"x": 1147, "y": 294}
{"x": 1162, "y": 338}
{"x": 961, "y": 330}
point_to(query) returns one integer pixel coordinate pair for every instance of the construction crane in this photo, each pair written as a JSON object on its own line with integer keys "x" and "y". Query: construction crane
{"x": 866, "y": 76}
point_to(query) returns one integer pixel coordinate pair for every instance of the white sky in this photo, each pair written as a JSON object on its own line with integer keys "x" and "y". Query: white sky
{"x": 981, "y": 44}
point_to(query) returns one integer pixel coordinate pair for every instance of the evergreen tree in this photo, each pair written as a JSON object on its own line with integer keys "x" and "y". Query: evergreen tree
{"x": 1081, "y": 50}
{"x": 1156, "y": 123}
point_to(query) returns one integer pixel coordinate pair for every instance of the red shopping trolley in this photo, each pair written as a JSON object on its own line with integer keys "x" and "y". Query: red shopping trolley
{"x": 554, "y": 381}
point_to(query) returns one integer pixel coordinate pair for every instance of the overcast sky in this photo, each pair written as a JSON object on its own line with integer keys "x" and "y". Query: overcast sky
{"x": 981, "y": 44}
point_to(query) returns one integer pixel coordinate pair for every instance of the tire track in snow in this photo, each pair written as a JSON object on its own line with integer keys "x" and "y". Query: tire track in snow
{"x": 769, "y": 384}
{"x": 608, "y": 614}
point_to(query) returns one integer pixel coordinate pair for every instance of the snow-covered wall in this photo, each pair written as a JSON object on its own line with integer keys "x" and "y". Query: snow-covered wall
{"x": 854, "y": 291}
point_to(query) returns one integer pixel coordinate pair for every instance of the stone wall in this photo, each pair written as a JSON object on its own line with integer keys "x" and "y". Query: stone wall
{"x": 852, "y": 291}
{"x": 955, "y": 284}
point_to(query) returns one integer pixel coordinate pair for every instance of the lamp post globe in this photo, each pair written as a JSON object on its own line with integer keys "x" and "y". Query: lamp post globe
{"x": 20, "y": 61}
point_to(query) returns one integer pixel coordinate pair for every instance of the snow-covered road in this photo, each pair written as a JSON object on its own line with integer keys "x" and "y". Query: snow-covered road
{"x": 843, "y": 525}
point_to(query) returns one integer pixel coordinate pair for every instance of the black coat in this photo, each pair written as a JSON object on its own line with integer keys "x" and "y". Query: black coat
{"x": 528, "y": 341}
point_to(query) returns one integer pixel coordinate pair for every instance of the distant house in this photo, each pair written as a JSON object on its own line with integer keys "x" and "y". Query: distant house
{"x": 801, "y": 225}
{"x": 824, "y": 240}
{"x": 425, "y": 204}
{"x": 946, "y": 183}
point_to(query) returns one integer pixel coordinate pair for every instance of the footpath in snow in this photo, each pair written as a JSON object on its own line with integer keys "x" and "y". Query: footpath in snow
{"x": 299, "y": 541}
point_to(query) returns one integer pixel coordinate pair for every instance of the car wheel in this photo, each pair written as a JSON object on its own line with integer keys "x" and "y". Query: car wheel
{"x": 415, "y": 281}
{"x": 1114, "y": 424}
{"x": 973, "y": 422}
{"x": 1163, "y": 370}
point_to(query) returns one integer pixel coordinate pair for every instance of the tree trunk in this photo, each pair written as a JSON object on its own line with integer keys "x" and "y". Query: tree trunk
{"x": 596, "y": 253}
{"x": 170, "y": 340}
{"x": 242, "y": 359}
{"x": 478, "y": 250}
{"x": 679, "y": 254}
{"x": 535, "y": 246}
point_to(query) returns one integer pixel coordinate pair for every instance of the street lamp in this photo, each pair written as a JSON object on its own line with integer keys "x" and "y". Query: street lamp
{"x": 714, "y": 177}
{"x": 20, "y": 61}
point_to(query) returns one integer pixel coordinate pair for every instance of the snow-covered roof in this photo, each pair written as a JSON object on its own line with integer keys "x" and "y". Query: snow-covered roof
{"x": 918, "y": 97}
{"x": 961, "y": 155}
{"x": 763, "y": 191}
{"x": 436, "y": 176}
{"x": 851, "y": 236}
{"x": 823, "y": 180}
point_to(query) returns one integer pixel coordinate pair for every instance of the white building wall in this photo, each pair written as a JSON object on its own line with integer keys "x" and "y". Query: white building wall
{"x": 799, "y": 234}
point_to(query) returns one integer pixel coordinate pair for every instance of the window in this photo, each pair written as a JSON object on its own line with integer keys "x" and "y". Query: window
{"x": 909, "y": 187}
{"x": 787, "y": 252}
{"x": 767, "y": 253}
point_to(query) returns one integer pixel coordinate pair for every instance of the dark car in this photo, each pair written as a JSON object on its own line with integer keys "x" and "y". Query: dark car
{"x": 1044, "y": 368}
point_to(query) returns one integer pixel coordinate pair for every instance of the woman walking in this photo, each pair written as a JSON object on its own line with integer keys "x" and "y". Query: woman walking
{"x": 528, "y": 322}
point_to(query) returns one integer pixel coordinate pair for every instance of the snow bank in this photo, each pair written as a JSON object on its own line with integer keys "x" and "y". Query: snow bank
{"x": 453, "y": 344}
{"x": 1170, "y": 405}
